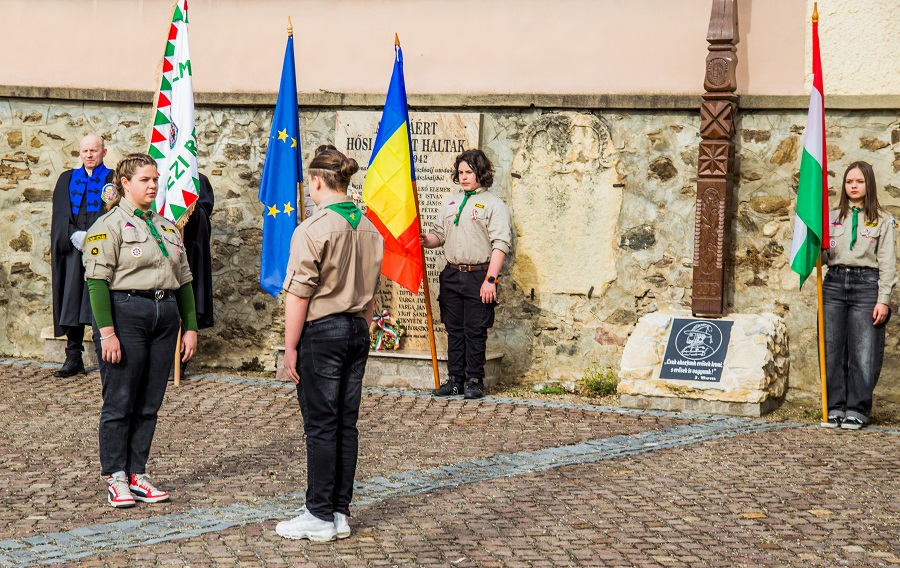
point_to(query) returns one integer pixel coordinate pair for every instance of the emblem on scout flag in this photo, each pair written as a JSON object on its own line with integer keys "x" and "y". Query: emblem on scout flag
{"x": 173, "y": 138}
{"x": 109, "y": 193}
{"x": 136, "y": 252}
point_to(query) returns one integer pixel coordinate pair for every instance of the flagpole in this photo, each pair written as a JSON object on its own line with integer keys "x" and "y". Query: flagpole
{"x": 425, "y": 290}
{"x": 821, "y": 318}
{"x": 301, "y": 202}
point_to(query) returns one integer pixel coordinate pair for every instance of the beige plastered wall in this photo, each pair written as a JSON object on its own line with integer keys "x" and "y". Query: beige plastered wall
{"x": 860, "y": 45}
{"x": 450, "y": 46}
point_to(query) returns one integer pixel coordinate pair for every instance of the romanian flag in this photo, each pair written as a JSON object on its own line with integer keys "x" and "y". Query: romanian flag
{"x": 388, "y": 191}
{"x": 282, "y": 176}
{"x": 811, "y": 224}
{"x": 173, "y": 139}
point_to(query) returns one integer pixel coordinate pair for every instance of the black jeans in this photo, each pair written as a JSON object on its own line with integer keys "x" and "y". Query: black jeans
{"x": 467, "y": 320}
{"x": 854, "y": 348}
{"x": 332, "y": 360}
{"x": 133, "y": 389}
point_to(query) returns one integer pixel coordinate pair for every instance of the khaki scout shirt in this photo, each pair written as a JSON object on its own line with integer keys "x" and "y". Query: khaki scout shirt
{"x": 484, "y": 225}
{"x": 120, "y": 249}
{"x": 333, "y": 264}
{"x": 875, "y": 247}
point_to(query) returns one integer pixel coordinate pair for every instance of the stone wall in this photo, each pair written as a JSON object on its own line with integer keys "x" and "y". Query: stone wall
{"x": 603, "y": 203}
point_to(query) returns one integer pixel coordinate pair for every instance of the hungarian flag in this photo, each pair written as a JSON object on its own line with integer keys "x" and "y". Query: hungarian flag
{"x": 173, "y": 140}
{"x": 388, "y": 189}
{"x": 811, "y": 224}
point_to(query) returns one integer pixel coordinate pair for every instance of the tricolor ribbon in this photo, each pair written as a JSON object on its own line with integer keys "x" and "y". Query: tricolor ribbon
{"x": 383, "y": 322}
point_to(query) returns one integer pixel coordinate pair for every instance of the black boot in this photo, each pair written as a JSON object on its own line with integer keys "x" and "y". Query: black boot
{"x": 452, "y": 387}
{"x": 73, "y": 366}
{"x": 474, "y": 389}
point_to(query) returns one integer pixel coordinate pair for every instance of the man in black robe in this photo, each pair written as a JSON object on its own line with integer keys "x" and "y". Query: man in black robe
{"x": 77, "y": 203}
{"x": 196, "y": 242}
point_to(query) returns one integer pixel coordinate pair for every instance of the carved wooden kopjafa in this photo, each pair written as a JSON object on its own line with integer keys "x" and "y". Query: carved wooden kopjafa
{"x": 715, "y": 170}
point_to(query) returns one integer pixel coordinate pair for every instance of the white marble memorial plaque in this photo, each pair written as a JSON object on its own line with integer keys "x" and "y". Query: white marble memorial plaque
{"x": 437, "y": 139}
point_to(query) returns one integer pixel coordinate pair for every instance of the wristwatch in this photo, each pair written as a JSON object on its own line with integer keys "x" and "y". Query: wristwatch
{"x": 492, "y": 279}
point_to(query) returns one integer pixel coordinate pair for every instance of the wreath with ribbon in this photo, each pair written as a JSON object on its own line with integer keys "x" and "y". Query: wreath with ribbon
{"x": 385, "y": 331}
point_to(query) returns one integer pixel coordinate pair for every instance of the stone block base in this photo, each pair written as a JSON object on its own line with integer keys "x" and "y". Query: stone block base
{"x": 754, "y": 373}
{"x": 55, "y": 347}
{"x": 699, "y": 406}
{"x": 406, "y": 369}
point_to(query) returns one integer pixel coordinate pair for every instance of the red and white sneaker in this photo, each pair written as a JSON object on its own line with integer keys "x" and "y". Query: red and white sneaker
{"x": 118, "y": 494}
{"x": 143, "y": 490}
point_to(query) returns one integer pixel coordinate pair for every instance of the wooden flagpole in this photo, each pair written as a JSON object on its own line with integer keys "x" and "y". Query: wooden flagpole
{"x": 427, "y": 293}
{"x": 823, "y": 377}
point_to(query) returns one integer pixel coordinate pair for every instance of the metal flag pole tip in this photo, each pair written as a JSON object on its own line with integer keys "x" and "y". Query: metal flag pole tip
{"x": 290, "y": 27}
{"x": 815, "y": 18}
{"x": 396, "y": 39}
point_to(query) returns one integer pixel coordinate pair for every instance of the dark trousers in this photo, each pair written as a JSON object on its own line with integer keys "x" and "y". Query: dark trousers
{"x": 854, "y": 348}
{"x": 74, "y": 341}
{"x": 133, "y": 389}
{"x": 467, "y": 320}
{"x": 332, "y": 360}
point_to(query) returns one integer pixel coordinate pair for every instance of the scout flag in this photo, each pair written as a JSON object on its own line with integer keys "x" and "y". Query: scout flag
{"x": 173, "y": 140}
{"x": 282, "y": 174}
{"x": 388, "y": 189}
{"x": 811, "y": 224}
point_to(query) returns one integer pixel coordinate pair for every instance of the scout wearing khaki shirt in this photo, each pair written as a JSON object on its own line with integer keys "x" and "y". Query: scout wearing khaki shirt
{"x": 862, "y": 273}
{"x": 332, "y": 274}
{"x": 474, "y": 229}
{"x": 140, "y": 289}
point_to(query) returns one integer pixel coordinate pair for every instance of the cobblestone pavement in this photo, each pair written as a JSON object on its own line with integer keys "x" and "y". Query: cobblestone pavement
{"x": 496, "y": 482}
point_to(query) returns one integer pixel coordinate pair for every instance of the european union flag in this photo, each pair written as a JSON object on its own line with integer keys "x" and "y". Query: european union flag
{"x": 282, "y": 174}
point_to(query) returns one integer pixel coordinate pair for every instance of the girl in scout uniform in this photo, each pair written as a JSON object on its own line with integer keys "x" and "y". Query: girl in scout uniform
{"x": 140, "y": 289}
{"x": 474, "y": 229}
{"x": 332, "y": 273}
{"x": 862, "y": 272}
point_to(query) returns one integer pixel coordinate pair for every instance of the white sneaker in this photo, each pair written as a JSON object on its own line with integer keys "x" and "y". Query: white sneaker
{"x": 307, "y": 526}
{"x": 117, "y": 492}
{"x": 341, "y": 525}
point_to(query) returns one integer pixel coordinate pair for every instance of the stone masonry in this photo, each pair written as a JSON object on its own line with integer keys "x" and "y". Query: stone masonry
{"x": 603, "y": 205}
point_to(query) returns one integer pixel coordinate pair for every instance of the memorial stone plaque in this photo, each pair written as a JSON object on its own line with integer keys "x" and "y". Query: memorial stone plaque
{"x": 437, "y": 139}
{"x": 696, "y": 350}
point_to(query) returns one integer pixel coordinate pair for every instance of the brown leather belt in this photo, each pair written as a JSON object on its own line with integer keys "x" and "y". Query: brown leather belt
{"x": 469, "y": 267}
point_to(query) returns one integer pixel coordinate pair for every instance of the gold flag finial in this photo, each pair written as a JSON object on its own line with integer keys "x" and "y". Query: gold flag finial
{"x": 396, "y": 40}
{"x": 815, "y": 12}
{"x": 290, "y": 27}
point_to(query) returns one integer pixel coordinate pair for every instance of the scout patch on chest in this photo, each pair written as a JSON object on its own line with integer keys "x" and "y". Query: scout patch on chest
{"x": 136, "y": 252}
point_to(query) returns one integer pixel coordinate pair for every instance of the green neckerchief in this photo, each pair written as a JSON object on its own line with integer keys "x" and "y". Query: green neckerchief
{"x": 156, "y": 236}
{"x": 854, "y": 226}
{"x": 349, "y": 211}
{"x": 468, "y": 194}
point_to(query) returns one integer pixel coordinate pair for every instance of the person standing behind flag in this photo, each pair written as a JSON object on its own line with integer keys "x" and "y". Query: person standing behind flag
{"x": 332, "y": 273}
{"x": 77, "y": 203}
{"x": 475, "y": 230}
{"x": 141, "y": 295}
{"x": 862, "y": 273}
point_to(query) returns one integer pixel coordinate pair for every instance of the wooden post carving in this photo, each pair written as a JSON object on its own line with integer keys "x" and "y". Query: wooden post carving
{"x": 715, "y": 170}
